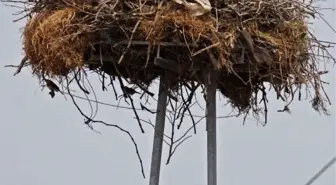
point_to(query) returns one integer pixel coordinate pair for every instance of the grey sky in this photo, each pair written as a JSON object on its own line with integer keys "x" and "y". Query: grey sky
{"x": 43, "y": 141}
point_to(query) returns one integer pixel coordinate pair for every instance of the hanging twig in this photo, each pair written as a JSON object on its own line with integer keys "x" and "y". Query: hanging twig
{"x": 89, "y": 120}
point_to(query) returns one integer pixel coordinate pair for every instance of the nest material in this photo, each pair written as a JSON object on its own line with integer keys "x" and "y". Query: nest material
{"x": 54, "y": 43}
{"x": 247, "y": 42}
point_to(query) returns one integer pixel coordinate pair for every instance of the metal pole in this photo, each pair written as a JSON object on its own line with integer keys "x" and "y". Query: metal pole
{"x": 211, "y": 129}
{"x": 158, "y": 135}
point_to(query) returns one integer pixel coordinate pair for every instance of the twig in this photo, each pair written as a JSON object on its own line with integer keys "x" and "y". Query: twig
{"x": 89, "y": 120}
{"x": 172, "y": 121}
{"x": 185, "y": 133}
{"x": 114, "y": 90}
{"x": 204, "y": 49}
{"x": 133, "y": 140}
{"x": 79, "y": 85}
{"x": 186, "y": 104}
{"x": 179, "y": 144}
{"x": 145, "y": 108}
{"x": 129, "y": 44}
{"x": 136, "y": 114}
{"x": 145, "y": 90}
{"x": 151, "y": 124}
{"x": 20, "y": 66}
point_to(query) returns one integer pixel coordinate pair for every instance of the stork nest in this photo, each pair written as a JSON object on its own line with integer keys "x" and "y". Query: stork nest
{"x": 247, "y": 43}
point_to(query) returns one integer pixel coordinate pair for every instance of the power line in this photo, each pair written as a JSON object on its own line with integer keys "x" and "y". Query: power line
{"x": 139, "y": 109}
{"x": 319, "y": 173}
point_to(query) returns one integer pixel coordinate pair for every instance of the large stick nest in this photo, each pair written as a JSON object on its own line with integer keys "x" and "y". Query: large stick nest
{"x": 246, "y": 42}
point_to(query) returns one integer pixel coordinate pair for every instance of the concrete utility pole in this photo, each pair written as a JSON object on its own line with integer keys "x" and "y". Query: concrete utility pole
{"x": 158, "y": 135}
{"x": 211, "y": 128}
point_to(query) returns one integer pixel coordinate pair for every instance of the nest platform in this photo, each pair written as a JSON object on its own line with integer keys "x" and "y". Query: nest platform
{"x": 247, "y": 43}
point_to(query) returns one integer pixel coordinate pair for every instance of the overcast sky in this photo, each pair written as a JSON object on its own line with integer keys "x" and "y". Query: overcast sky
{"x": 43, "y": 141}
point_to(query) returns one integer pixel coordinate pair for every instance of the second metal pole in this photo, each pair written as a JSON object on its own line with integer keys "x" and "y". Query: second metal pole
{"x": 211, "y": 129}
{"x": 158, "y": 135}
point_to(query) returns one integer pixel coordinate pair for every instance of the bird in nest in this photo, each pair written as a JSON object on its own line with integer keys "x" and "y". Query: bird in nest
{"x": 195, "y": 7}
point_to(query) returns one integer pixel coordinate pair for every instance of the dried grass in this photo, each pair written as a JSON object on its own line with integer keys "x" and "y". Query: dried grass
{"x": 53, "y": 43}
